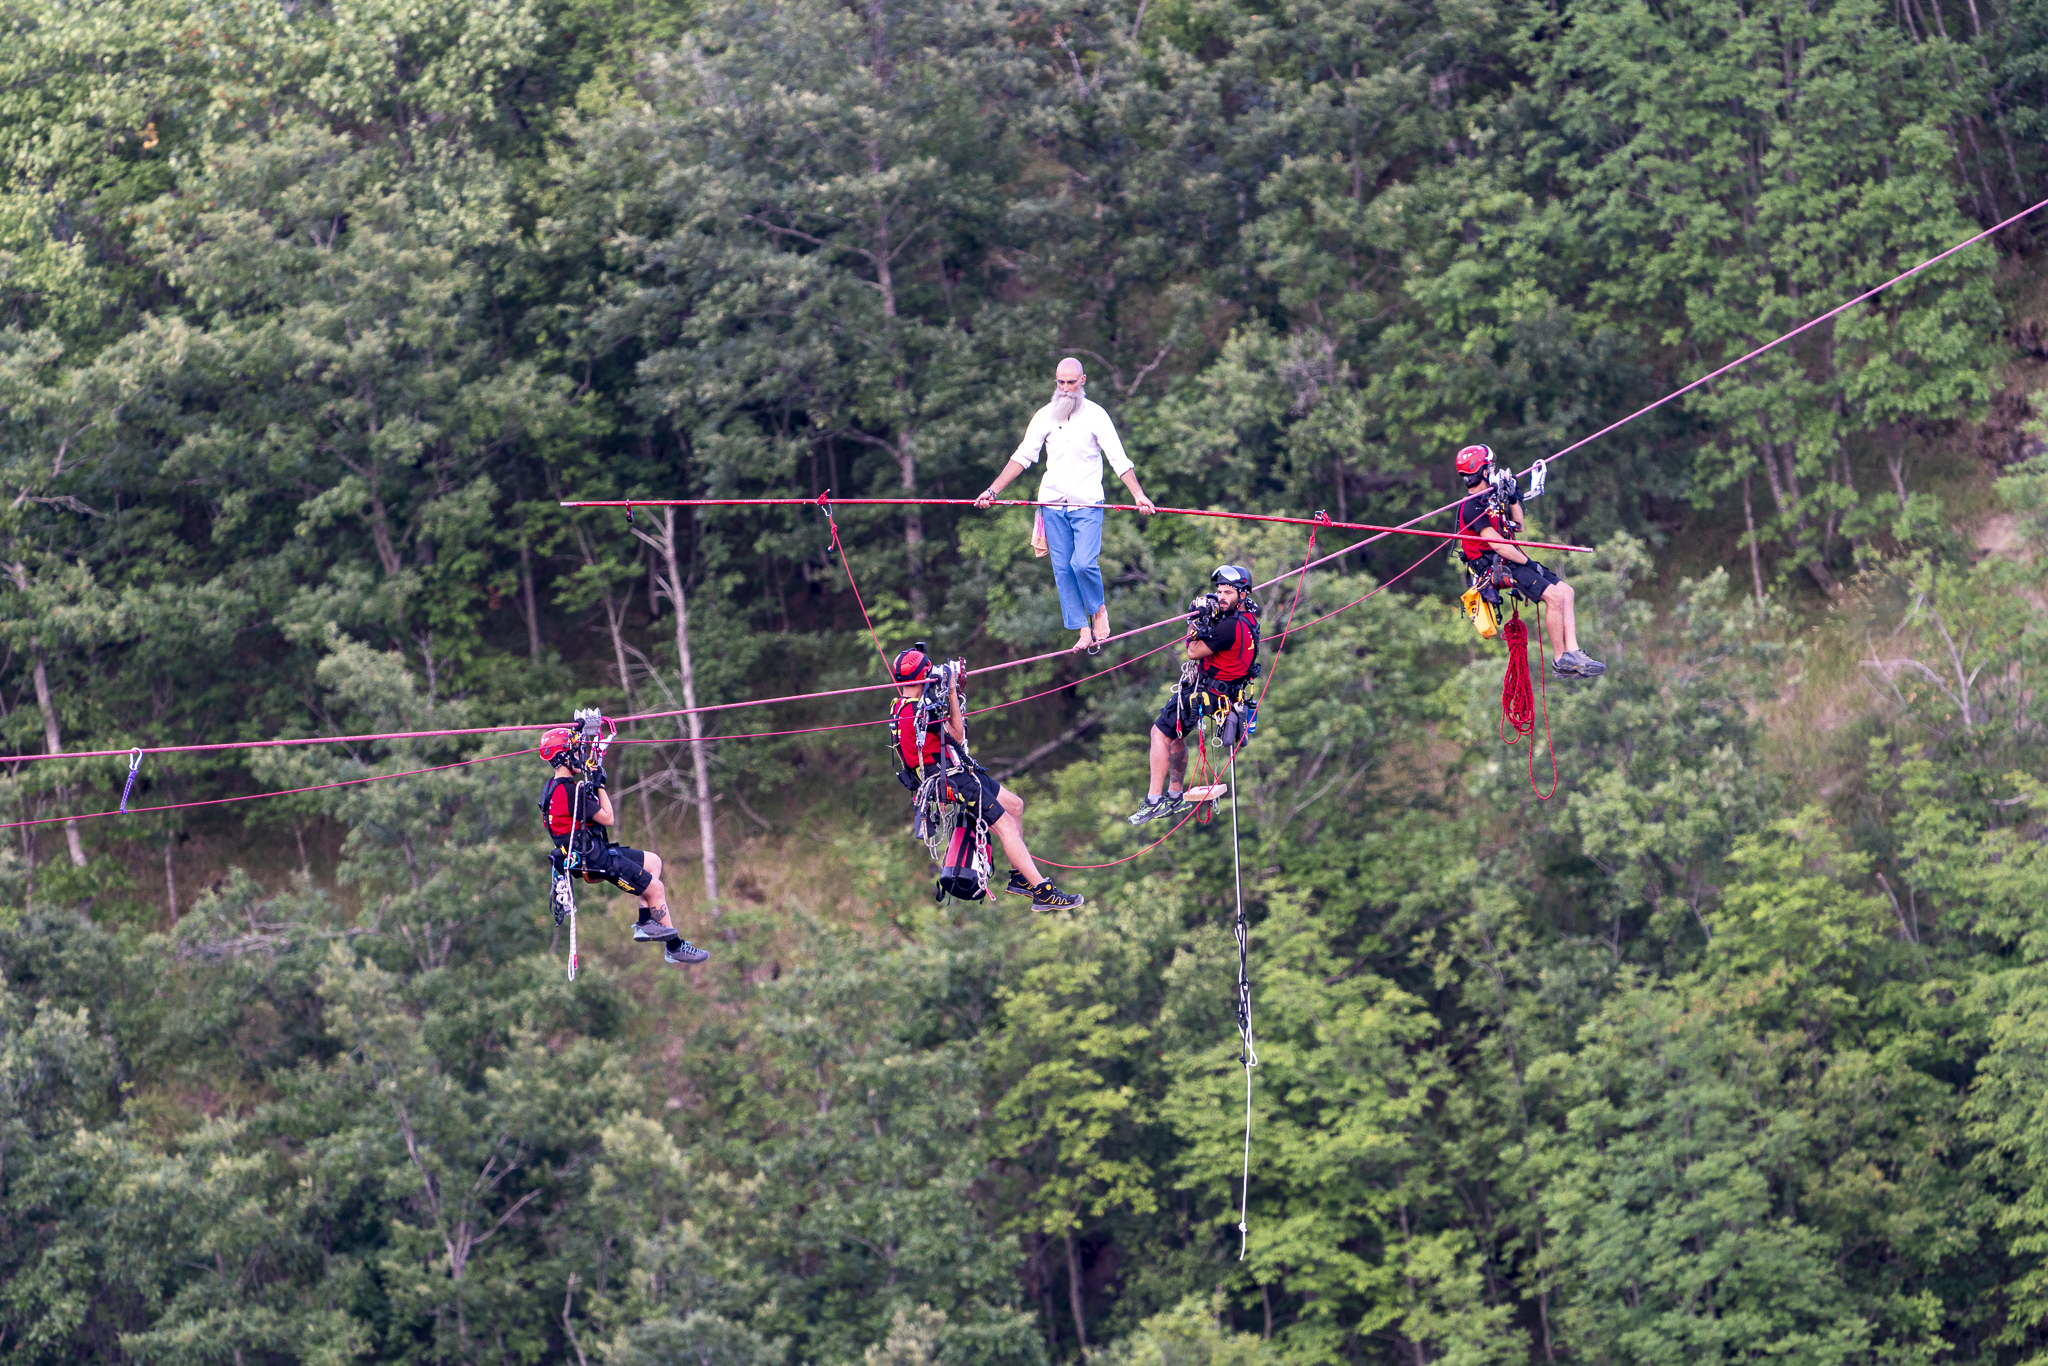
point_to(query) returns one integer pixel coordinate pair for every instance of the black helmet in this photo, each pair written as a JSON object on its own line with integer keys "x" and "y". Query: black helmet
{"x": 1235, "y": 575}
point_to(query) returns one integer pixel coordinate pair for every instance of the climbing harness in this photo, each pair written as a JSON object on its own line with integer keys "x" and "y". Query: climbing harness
{"x": 946, "y": 816}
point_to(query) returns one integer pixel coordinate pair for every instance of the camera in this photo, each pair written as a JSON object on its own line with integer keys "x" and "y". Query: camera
{"x": 944, "y": 677}
{"x": 1202, "y": 609}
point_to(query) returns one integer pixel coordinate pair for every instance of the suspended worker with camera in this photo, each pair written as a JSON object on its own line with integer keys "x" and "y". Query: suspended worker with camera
{"x": 958, "y": 802}
{"x": 1222, "y": 661}
{"x": 576, "y": 806}
{"x": 1488, "y": 521}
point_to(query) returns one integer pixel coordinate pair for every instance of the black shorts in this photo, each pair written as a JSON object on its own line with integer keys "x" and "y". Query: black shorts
{"x": 977, "y": 788}
{"x": 1531, "y": 580}
{"x": 1185, "y": 711}
{"x": 618, "y": 865}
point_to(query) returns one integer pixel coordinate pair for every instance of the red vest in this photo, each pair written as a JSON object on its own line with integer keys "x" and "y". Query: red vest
{"x": 910, "y": 752}
{"x": 1228, "y": 666}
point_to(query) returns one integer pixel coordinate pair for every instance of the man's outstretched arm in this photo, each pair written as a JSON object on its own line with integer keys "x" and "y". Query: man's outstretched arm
{"x": 1010, "y": 471}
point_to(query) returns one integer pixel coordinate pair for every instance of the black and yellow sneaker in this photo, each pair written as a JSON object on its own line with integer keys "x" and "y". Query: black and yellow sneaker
{"x": 1172, "y": 804}
{"x": 682, "y": 951}
{"x": 1046, "y": 897}
{"x": 1019, "y": 885}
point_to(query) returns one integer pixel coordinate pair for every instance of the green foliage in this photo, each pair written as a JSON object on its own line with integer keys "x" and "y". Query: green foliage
{"x": 313, "y": 314}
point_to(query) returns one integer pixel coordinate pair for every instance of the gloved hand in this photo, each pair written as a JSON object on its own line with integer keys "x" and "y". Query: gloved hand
{"x": 600, "y": 779}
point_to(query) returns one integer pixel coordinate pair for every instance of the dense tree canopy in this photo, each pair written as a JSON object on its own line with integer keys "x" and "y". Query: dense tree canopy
{"x": 311, "y": 315}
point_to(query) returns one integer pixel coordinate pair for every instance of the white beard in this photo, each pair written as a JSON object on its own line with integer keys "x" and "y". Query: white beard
{"x": 1065, "y": 406}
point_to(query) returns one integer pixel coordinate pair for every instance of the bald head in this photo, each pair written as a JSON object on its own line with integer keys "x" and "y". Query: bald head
{"x": 1069, "y": 389}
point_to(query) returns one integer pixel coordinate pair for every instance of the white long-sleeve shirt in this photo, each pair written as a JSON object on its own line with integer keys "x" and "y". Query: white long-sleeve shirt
{"x": 1074, "y": 452}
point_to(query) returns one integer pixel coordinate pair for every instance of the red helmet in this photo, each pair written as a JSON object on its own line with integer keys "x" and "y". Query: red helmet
{"x": 557, "y": 745}
{"x": 911, "y": 664}
{"x": 1474, "y": 459}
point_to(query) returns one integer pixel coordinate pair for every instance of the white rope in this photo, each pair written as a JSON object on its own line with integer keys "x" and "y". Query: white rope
{"x": 565, "y": 903}
{"x": 1248, "y": 1055}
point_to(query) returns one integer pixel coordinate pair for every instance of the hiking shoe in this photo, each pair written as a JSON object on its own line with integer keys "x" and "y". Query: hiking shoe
{"x": 682, "y": 951}
{"x": 1576, "y": 664}
{"x": 1019, "y": 885}
{"x": 649, "y": 931}
{"x": 1046, "y": 897}
{"x": 1172, "y": 804}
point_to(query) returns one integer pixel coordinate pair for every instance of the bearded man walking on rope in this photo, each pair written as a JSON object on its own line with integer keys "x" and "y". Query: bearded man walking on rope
{"x": 1486, "y": 520}
{"x": 1076, "y": 435}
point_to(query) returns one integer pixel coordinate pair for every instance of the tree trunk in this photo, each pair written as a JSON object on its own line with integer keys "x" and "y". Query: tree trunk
{"x": 615, "y": 619}
{"x": 53, "y": 742}
{"x": 1074, "y": 1293}
{"x": 170, "y": 876}
{"x": 1756, "y": 564}
{"x": 532, "y": 606}
{"x": 698, "y": 759}
{"x": 1041, "y": 1277}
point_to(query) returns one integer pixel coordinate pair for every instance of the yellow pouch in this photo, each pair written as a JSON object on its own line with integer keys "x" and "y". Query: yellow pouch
{"x": 1481, "y": 612}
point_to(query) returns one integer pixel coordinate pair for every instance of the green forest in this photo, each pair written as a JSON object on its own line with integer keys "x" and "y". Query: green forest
{"x": 314, "y": 312}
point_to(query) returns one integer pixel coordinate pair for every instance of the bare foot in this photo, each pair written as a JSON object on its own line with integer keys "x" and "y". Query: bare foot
{"x": 1084, "y": 642}
{"x": 1101, "y": 624}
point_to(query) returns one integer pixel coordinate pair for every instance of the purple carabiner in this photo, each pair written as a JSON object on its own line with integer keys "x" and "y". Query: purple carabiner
{"x": 134, "y": 763}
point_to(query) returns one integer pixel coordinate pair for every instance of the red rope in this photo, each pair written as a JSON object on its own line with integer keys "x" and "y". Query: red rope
{"x": 1518, "y": 700}
{"x": 1404, "y": 529}
{"x": 259, "y": 796}
{"x": 833, "y": 522}
{"x": 681, "y": 711}
{"x": 1288, "y": 626}
{"x": 1081, "y": 867}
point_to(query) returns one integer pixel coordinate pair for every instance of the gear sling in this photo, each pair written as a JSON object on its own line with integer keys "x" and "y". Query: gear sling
{"x": 1485, "y": 572}
{"x": 949, "y": 815}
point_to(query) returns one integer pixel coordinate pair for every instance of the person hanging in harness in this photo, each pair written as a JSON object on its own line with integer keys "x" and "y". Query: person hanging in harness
{"x": 1223, "y": 659}
{"x": 1488, "y": 520}
{"x": 577, "y": 808}
{"x": 928, "y": 736}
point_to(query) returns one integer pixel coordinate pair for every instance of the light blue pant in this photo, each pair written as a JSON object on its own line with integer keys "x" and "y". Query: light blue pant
{"x": 1074, "y": 536}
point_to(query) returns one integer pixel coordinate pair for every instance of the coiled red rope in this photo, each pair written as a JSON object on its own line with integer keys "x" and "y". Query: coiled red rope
{"x": 1518, "y": 701}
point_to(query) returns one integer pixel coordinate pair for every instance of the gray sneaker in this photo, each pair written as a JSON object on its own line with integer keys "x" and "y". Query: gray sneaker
{"x": 684, "y": 952}
{"x": 648, "y": 931}
{"x": 1576, "y": 664}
